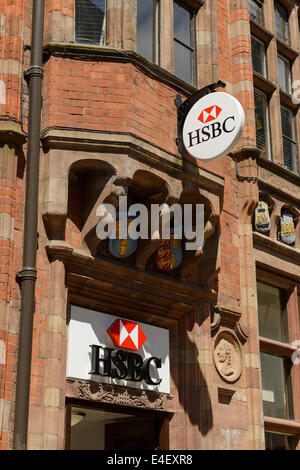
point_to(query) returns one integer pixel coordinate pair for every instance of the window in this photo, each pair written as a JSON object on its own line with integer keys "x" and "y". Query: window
{"x": 276, "y": 386}
{"x": 147, "y": 29}
{"x": 272, "y": 317}
{"x": 284, "y": 74}
{"x": 289, "y": 139}
{"x": 256, "y": 11}
{"x": 278, "y": 325}
{"x": 258, "y": 56}
{"x": 90, "y": 22}
{"x": 276, "y": 441}
{"x": 282, "y": 22}
{"x": 262, "y": 124}
{"x": 183, "y": 43}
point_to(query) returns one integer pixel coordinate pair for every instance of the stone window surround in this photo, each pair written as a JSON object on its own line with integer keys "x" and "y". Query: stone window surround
{"x": 269, "y": 84}
{"x": 292, "y": 289}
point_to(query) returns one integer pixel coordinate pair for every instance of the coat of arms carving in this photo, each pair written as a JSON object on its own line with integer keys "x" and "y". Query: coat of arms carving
{"x": 262, "y": 217}
{"x": 287, "y": 228}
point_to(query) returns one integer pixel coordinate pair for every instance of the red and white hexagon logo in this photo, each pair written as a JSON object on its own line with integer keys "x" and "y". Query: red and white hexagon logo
{"x": 209, "y": 114}
{"x": 127, "y": 334}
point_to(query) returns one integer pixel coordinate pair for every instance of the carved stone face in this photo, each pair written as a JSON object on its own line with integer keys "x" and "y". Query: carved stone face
{"x": 223, "y": 351}
{"x": 227, "y": 356}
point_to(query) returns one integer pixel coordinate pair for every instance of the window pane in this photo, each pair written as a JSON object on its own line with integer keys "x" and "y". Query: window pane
{"x": 256, "y": 11}
{"x": 272, "y": 316}
{"x": 182, "y": 62}
{"x": 289, "y": 141}
{"x": 258, "y": 56}
{"x": 289, "y": 154}
{"x": 182, "y": 24}
{"x": 90, "y": 22}
{"x": 276, "y": 386}
{"x": 284, "y": 74}
{"x": 262, "y": 124}
{"x": 280, "y": 441}
{"x": 146, "y": 28}
{"x": 281, "y": 22}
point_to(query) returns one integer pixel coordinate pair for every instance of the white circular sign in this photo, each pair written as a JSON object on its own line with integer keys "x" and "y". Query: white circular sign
{"x": 213, "y": 126}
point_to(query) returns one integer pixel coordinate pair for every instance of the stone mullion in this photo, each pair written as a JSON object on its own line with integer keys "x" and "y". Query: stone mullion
{"x": 113, "y": 23}
{"x": 129, "y": 24}
{"x": 60, "y": 24}
{"x": 269, "y": 16}
{"x": 166, "y": 37}
{"x": 207, "y": 44}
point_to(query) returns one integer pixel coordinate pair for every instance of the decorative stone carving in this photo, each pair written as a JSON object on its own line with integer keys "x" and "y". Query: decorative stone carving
{"x": 262, "y": 217}
{"x": 287, "y": 228}
{"x": 227, "y": 356}
{"x": 119, "y": 396}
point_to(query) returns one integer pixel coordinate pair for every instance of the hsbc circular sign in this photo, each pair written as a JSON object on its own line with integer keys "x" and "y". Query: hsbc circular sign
{"x": 212, "y": 126}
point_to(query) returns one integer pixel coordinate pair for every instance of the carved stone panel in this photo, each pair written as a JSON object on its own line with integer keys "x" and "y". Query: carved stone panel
{"x": 227, "y": 356}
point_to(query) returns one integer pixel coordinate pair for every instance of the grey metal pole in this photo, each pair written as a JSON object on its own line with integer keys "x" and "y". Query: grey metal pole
{"x": 27, "y": 276}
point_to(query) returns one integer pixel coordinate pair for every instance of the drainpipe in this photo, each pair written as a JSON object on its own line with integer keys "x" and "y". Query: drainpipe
{"x": 27, "y": 276}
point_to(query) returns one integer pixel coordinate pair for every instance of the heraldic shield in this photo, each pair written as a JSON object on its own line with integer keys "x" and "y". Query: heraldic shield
{"x": 287, "y": 228}
{"x": 262, "y": 217}
{"x": 122, "y": 248}
{"x": 169, "y": 254}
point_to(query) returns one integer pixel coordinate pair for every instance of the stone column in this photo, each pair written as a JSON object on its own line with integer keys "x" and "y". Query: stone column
{"x": 46, "y": 422}
{"x": 11, "y": 138}
{"x": 248, "y": 198}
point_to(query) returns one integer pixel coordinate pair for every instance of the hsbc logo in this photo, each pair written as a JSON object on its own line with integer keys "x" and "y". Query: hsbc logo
{"x": 120, "y": 364}
{"x": 212, "y": 126}
{"x": 209, "y": 114}
{"x": 126, "y": 334}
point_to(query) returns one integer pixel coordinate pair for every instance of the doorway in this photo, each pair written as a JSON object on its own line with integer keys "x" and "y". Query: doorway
{"x": 95, "y": 429}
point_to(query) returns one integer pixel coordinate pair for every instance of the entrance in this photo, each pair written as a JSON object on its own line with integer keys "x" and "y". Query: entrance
{"x": 94, "y": 429}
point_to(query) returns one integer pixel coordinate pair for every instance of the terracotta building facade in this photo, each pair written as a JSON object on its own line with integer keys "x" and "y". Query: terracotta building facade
{"x": 224, "y": 320}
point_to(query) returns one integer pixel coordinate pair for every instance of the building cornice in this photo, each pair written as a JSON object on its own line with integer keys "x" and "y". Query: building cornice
{"x": 11, "y": 133}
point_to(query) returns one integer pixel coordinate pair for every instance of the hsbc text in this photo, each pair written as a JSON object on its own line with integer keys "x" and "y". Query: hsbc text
{"x": 123, "y": 365}
{"x": 211, "y": 131}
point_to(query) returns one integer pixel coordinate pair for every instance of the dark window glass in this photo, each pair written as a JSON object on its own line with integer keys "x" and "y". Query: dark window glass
{"x": 183, "y": 43}
{"x": 256, "y": 11}
{"x": 284, "y": 74}
{"x": 276, "y": 386}
{"x": 272, "y": 316}
{"x": 147, "y": 29}
{"x": 280, "y": 441}
{"x": 289, "y": 139}
{"x": 282, "y": 22}
{"x": 90, "y": 22}
{"x": 258, "y": 56}
{"x": 262, "y": 123}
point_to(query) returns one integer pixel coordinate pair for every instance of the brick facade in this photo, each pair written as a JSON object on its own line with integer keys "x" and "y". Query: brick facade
{"x": 109, "y": 121}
